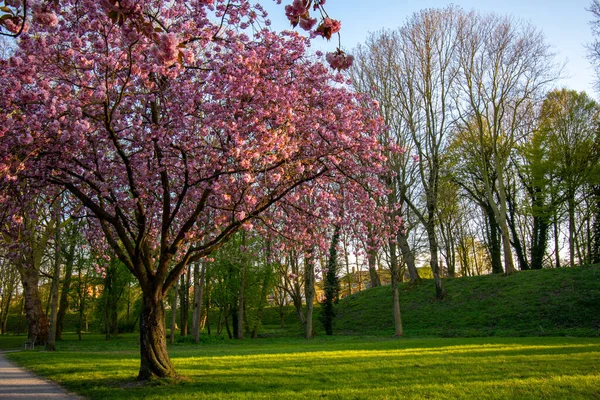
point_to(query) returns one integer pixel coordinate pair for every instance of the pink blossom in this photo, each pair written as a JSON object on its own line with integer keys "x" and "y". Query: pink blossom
{"x": 17, "y": 219}
{"x": 339, "y": 60}
{"x": 44, "y": 17}
{"x": 307, "y": 23}
{"x": 328, "y": 27}
{"x": 13, "y": 3}
{"x": 165, "y": 50}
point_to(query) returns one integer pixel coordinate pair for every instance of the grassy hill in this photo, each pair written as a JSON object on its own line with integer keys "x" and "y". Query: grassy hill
{"x": 552, "y": 302}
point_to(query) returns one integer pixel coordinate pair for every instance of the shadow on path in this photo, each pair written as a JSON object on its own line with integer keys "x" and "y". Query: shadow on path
{"x": 16, "y": 383}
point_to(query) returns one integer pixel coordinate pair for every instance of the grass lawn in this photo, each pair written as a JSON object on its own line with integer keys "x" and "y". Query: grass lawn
{"x": 342, "y": 367}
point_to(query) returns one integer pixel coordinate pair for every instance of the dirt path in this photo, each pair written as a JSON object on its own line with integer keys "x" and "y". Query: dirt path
{"x": 16, "y": 383}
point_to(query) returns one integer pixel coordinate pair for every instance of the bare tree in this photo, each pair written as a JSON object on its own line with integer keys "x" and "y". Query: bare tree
{"x": 506, "y": 67}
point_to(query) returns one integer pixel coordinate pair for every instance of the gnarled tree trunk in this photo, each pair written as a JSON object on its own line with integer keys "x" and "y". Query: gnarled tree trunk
{"x": 37, "y": 322}
{"x": 155, "y": 362}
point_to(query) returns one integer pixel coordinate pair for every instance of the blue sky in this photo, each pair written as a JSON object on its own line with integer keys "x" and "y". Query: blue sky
{"x": 565, "y": 25}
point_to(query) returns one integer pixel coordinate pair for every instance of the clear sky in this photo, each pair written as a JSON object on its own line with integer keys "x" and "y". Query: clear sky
{"x": 565, "y": 25}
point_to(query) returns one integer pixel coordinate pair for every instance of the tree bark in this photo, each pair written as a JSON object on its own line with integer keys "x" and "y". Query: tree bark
{"x": 155, "y": 362}
{"x": 184, "y": 291}
{"x": 64, "y": 292}
{"x": 173, "y": 313}
{"x": 332, "y": 286}
{"x": 51, "y": 339}
{"x": 493, "y": 240}
{"x": 199, "y": 276}
{"x": 435, "y": 266}
{"x": 37, "y": 322}
{"x": 372, "y": 259}
{"x": 409, "y": 258}
{"x": 296, "y": 289}
{"x": 309, "y": 292}
{"x": 571, "y": 209}
{"x": 395, "y": 273}
{"x": 501, "y": 217}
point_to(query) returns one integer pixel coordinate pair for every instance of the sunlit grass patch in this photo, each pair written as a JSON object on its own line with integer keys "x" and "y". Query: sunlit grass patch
{"x": 336, "y": 368}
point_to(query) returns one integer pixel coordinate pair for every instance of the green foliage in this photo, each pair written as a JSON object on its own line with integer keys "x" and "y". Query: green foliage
{"x": 119, "y": 305}
{"x": 530, "y": 303}
{"x": 333, "y": 368}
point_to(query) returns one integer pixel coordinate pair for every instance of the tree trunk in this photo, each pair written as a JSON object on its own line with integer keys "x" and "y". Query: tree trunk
{"x": 501, "y": 215}
{"x": 36, "y": 319}
{"x": 155, "y": 362}
{"x": 173, "y": 313}
{"x": 556, "y": 242}
{"x": 493, "y": 240}
{"x": 296, "y": 289}
{"x": 435, "y": 266}
{"x": 539, "y": 241}
{"x": 571, "y": 207}
{"x": 309, "y": 292}
{"x": 348, "y": 273}
{"x": 516, "y": 240}
{"x": 372, "y": 258}
{"x": 184, "y": 290}
{"x": 331, "y": 285}
{"x": 6, "y": 299}
{"x": 395, "y": 273}
{"x": 81, "y": 295}
{"x": 51, "y": 339}
{"x": 409, "y": 258}
{"x": 199, "y": 277}
{"x": 64, "y": 292}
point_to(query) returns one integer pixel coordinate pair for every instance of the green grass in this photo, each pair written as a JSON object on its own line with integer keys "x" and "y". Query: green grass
{"x": 554, "y": 302}
{"x": 336, "y": 367}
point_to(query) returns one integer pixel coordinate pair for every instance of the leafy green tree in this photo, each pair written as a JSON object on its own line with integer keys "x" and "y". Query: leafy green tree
{"x": 569, "y": 120}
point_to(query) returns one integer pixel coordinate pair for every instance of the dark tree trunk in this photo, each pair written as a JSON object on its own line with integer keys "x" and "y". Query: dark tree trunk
{"x": 199, "y": 277}
{"x": 64, "y": 292}
{"x": 6, "y": 299}
{"x": 332, "y": 285}
{"x": 173, "y": 313}
{"x": 516, "y": 240}
{"x": 571, "y": 209}
{"x": 81, "y": 295}
{"x": 51, "y": 339}
{"x": 409, "y": 258}
{"x": 296, "y": 289}
{"x": 309, "y": 292}
{"x": 184, "y": 291}
{"x": 493, "y": 234}
{"x": 155, "y": 362}
{"x": 433, "y": 251}
{"x": 37, "y": 322}
{"x": 372, "y": 259}
{"x": 539, "y": 241}
{"x": 395, "y": 273}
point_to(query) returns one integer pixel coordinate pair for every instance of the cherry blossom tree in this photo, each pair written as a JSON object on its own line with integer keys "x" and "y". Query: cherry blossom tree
{"x": 176, "y": 130}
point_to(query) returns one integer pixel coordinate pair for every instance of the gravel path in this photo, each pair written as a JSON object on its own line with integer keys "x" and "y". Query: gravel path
{"x": 16, "y": 383}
